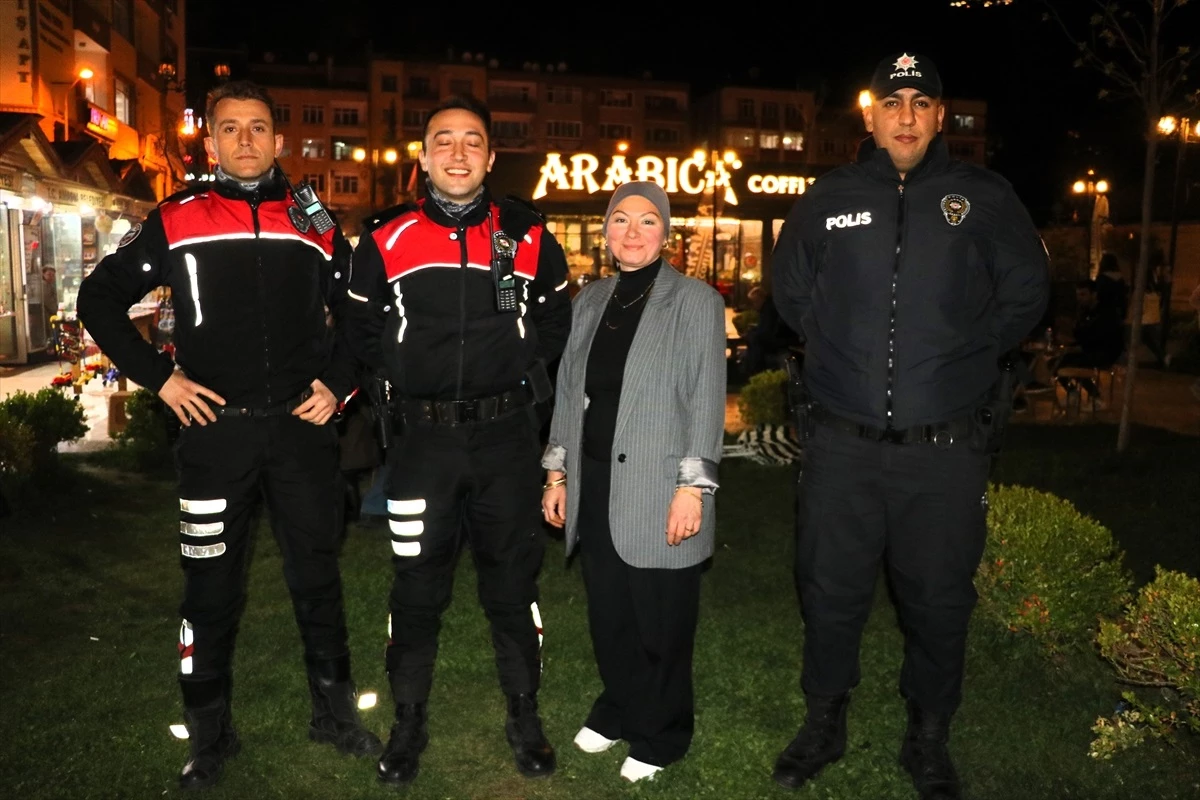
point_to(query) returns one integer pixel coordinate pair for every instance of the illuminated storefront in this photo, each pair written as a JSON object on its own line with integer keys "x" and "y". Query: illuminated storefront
{"x": 744, "y": 203}
{"x": 60, "y": 213}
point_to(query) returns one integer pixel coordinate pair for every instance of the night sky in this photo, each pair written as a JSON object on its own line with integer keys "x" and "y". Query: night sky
{"x": 1046, "y": 123}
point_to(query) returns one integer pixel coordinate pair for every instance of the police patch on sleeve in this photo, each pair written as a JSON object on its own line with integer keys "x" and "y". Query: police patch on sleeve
{"x": 130, "y": 235}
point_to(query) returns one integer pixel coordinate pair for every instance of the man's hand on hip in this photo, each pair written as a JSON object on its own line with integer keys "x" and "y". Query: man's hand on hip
{"x": 318, "y": 408}
{"x": 186, "y": 398}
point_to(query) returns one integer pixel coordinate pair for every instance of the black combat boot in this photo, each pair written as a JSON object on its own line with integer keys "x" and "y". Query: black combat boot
{"x": 533, "y": 754}
{"x": 398, "y": 766}
{"x": 211, "y": 737}
{"x": 820, "y": 741}
{"x": 335, "y": 709}
{"x": 925, "y": 755}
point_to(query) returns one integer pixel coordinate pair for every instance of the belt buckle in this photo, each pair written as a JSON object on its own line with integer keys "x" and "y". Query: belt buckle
{"x": 466, "y": 412}
{"x": 487, "y": 408}
{"x": 943, "y": 438}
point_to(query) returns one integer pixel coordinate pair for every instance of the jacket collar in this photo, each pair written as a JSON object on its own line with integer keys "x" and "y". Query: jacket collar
{"x": 272, "y": 187}
{"x": 472, "y": 217}
{"x": 878, "y": 162}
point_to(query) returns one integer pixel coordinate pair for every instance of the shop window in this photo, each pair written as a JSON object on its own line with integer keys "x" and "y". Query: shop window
{"x": 616, "y": 99}
{"x": 345, "y": 116}
{"x": 313, "y": 115}
{"x": 345, "y": 184}
{"x": 793, "y": 140}
{"x": 316, "y": 180}
{"x": 123, "y": 100}
{"x": 387, "y": 83}
{"x": 312, "y": 148}
{"x": 283, "y": 115}
{"x": 563, "y": 129}
{"x": 768, "y": 141}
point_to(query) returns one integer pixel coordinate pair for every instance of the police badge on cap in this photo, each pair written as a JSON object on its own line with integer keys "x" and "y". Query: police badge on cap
{"x": 955, "y": 208}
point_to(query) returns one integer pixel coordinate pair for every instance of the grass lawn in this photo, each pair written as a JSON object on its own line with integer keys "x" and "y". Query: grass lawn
{"x": 89, "y": 590}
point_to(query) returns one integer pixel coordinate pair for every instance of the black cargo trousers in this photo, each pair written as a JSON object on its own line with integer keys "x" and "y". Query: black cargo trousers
{"x": 473, "y": 482}
{"x": 921, "y": 510}
{"x": 228, "y": 470}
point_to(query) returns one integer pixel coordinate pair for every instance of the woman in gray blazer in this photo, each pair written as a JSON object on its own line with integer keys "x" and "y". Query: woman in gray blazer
{"x": 631, "y": 471}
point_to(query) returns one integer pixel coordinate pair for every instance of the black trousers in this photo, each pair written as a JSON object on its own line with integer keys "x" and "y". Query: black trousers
{"x": 227, "y": 470}
{"x": 921, "y": 511}
{"x": 643, "y": 626}
{"x": 478, "y": 482}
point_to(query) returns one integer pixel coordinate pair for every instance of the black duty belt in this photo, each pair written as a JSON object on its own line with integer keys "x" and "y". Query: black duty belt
{"x": 941, "y": 434}
{"x": 276, "y": 410}
{"x": 459, "y": 412}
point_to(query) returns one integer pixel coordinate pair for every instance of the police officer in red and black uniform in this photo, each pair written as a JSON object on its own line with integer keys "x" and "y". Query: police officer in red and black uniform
{"x": 908, "y": 275}
{"x": 462, "y": 300}
{"x": 257, "y": 375}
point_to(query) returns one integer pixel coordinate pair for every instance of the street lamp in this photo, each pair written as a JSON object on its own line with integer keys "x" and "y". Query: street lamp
{"x": 1186, "y": 132}
{"x": 388, "y": 155}
{"x": 1097, "y": 208}
{"x": 84, "y": 74}
{"x": 715, "y": 177}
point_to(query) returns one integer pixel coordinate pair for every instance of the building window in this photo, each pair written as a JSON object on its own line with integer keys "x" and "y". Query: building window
{"x": 828, "y": 147}
{"x": 614, "y": 130}
{"x": 660, "y": 136}
{"x": 122, "y": 18}
{"x": 792, "y": 116}
{"x": 387, "y": 83}
{"x": 770, "y": 112}
{"x": 616, "y": 99}
{"x": 315, "y": 180}
{"x": 345, "y": 184}
{"x": 564, "y": 129}
{"x": 745, "y": 107}
{"x": 661, "y": 102}
{"x": 509, "y": 130}
{"x": 420, "y": 86}
{"x": 462, "y": 87}
{"x": 343, "y": 149}
{"x": 283, "y": 115}
{"x": 345, "y": 116}
{"x": 123, "y": 97}
{"x": 286, "y": 150}
{"x": 312, "y": 148}
{"x": 740, "y": 138}
{"x": 314, "y": 115}
{"x": 509, "y": 91}
{"x": 560, "y": 94}
{"x": 964, "y": 123}
{"x": 414, "y": 118}
{"x": 768, "y": 141}
{"x": 793, "y": 140}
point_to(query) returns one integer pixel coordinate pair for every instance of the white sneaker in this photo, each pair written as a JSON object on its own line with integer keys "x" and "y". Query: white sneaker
{"x": 589, "y": 741}
{"x": 633, "y": 770}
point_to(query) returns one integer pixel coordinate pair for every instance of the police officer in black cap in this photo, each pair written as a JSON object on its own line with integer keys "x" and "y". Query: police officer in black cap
{"x": 908, "y": 275}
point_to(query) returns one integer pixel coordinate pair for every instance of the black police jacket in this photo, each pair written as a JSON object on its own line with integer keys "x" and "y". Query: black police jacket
{"x": 906, "y": 292}
{"x": 249, "y": 292}
{"x": 423, "y": 300}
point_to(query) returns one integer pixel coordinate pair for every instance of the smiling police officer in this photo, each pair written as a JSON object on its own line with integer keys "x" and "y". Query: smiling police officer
{"x": 908, "y": 275}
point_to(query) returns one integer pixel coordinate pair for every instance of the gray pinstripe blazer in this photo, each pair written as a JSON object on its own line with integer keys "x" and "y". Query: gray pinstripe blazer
{"x": 670, "y": 422}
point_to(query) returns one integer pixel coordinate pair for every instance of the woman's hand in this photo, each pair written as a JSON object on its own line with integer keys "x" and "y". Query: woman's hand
{"x": 554, "y": 499}
{"x": 683, "y": 517}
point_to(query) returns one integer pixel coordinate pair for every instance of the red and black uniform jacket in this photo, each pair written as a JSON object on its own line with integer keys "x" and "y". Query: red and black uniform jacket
{"x": 249, "y": 292}
{"x": 423, "y": 300}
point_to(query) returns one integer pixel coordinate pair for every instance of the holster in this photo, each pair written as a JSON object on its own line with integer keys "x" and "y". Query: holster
{"x": 799, "y": 400}
{"x": 991, "y": 418}
{"x": 381, "y": 410}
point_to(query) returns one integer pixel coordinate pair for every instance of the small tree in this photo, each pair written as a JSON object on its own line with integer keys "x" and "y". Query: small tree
{"x": 1143, "y": 61}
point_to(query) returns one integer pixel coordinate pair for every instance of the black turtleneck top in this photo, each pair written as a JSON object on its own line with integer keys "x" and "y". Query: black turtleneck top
{"x": 606, "y": 359}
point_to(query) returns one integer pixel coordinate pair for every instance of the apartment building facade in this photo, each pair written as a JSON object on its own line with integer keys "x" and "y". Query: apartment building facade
{"x": 90, "y": 107}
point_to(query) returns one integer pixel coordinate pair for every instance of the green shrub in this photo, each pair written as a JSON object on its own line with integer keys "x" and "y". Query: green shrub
{"x": 1048, "y": 570}
{"x": 743, "y": 321}
{"x": 763, "y": 400}
{"x": 51, "y": 418}
{"x": 1156, "y": 644}
{"x": 144, "y": 439}
{"x": 16, "y": 447}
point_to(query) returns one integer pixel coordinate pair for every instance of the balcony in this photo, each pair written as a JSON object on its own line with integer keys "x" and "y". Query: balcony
{"x": 512, "y": 104}
{"x": 665, "y": 114}
{"x": 88, "y": 20}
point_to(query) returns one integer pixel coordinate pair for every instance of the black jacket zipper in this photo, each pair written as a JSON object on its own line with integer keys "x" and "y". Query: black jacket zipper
{"x": 462, "y": 309}
{"x": 891, "y": 372}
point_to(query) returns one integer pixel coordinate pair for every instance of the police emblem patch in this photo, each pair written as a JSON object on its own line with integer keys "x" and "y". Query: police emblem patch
{"x": 130, "y": 235}
{"x": 955, "y": 208}
{"x": 299, "y": 221}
